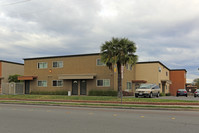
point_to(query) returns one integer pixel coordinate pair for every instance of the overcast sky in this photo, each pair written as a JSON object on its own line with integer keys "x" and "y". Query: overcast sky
{"x": 163, "y": 30}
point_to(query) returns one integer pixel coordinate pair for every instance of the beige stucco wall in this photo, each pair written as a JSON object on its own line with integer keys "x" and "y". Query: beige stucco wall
{"x": 129, "y": 75}
{"x": 150, "y": 73}
{"x": 11, "y": 69}
{"x": 74, "y": 65}
{"x": 71, "y": 65}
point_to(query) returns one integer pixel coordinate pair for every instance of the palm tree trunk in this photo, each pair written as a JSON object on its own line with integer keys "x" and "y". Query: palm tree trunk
{"x": 119, "y": 80}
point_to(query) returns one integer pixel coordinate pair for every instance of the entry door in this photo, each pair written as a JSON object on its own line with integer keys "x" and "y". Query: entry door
{"x": 83, "y": 87}
{"x": 74, "y": 87}
{"x": 163, "y": 87}
{"x": 27, "y": 87}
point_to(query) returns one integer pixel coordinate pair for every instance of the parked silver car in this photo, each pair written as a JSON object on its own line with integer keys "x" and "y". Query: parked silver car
{"x": 196, "y": 93}
{"x": 148, "y": 90}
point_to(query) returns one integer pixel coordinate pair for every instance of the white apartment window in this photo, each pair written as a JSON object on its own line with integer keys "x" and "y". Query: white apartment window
{"x": 160, "y": 69}
{"x": 58, "y": 64}
{"x": 99, "y": 63}
{"x": 58, "y": 83}
{"x": 42, "y": 83}
{"x": 129, "y": 66}
{"x": 42, "y": 65}
{"x": 128, "y": 85}
{"x": 103, "y": 82}
{"x": 166, "y": 73}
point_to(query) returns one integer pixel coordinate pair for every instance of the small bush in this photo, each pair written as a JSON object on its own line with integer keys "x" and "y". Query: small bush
{"x": 126, "y": 93}
{"x": 168, "y": 94}
{"x": 102, "y": 93}
{"x": 49, "y": 92}
{"x": 162, "y": 94}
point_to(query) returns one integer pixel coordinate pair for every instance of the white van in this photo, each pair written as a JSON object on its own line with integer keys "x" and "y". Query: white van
{"x": 148, "y": 90}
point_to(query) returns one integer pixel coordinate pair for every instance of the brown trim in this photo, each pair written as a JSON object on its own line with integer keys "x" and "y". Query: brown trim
{"x": 167, "y": 81}
{"x": 26, "y": 77}
{"x": 139, "y": 81}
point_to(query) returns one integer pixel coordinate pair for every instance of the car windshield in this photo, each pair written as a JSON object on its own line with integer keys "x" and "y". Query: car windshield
{"x": 146, "y": 86}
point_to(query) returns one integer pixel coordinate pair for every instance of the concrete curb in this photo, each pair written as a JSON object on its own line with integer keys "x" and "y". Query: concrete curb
{"x": 154, "y": 107}
{"x": 110, "y": 102}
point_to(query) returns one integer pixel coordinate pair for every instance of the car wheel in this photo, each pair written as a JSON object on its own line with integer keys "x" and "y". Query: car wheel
{"x": 136, "y": 96}
{"x": 158, "y": 94}
{"x": 186, "y": 95}
{"x": 151, "y": 95}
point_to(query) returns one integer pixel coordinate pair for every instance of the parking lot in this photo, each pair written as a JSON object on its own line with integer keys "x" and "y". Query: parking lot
{"x": 191, "y": 98}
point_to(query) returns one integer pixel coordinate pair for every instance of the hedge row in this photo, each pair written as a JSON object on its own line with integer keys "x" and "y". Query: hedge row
{"x": 165, "y": 94}
{"x": 102, "y": 93}
{"x": 49, "y": 92}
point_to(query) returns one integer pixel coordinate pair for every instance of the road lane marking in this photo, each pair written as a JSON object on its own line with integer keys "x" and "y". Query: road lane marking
{"x": 142, "y": 116}
{"x": 67, "y": 112}
{"x": 173, "y": 118}
{"x": 115, "y": 115}
{"x": 90, "y": 113}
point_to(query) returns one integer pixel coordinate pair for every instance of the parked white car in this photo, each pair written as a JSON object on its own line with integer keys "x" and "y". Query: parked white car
{"x": 196, "y": 93}
{"x": 148, "y": 90}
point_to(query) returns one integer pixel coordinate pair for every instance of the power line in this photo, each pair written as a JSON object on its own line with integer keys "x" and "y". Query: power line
{"x": 14, "y": 3}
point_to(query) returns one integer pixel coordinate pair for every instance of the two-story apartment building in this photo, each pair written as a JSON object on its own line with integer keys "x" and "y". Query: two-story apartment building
{"x": 152, "y": 72}
{"x": 8, "y": 68}
{"x": 82, "y": 73}
{"x": 76, "y": 73}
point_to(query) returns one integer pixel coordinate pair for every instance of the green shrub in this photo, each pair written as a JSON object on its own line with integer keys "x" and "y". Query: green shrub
{"x": 168, "y": 94}
{"x": 126, "y": 93}
{"x": 162, "y": 94}
{"x": 49, "y": 92}
{"x": 102, "y": 93}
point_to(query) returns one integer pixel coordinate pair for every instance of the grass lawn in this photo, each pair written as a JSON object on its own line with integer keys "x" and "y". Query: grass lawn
{"x": 92, "y": 98}
{"x": 103, "y": 105}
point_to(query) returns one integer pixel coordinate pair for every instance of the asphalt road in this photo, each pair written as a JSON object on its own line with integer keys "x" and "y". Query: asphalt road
{"x": 59, "y": 119}
{"x": 189, "y": 98}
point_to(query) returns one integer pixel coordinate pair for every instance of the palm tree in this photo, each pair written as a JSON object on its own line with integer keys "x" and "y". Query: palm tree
{"x": 118, "y": 51}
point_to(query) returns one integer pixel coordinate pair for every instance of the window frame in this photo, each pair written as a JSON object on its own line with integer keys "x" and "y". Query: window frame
{"x": 167, "y": 74}
{"x": 102, "y": 64}
{"x": 57, "y": 82}
{"x": 128, "y": 86}
{"x": 129, "y": 67}
{"x": 42, "y": 63}
{"x": 57, "y": 64}
{"x": 42, "y": 83}
{"x": 103, "y": 85}
{"x": 159, "y": 69}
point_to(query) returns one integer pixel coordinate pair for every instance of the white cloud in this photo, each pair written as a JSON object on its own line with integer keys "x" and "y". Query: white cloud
{"x": 164, "y": 30}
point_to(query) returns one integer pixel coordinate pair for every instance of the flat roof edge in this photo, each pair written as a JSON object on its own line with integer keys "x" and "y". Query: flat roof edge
{"x": 179, "y": 70}
{"x": 11, "y": 62}
{"x": 153, "y": 62}
{"x": 49, "y": 57}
